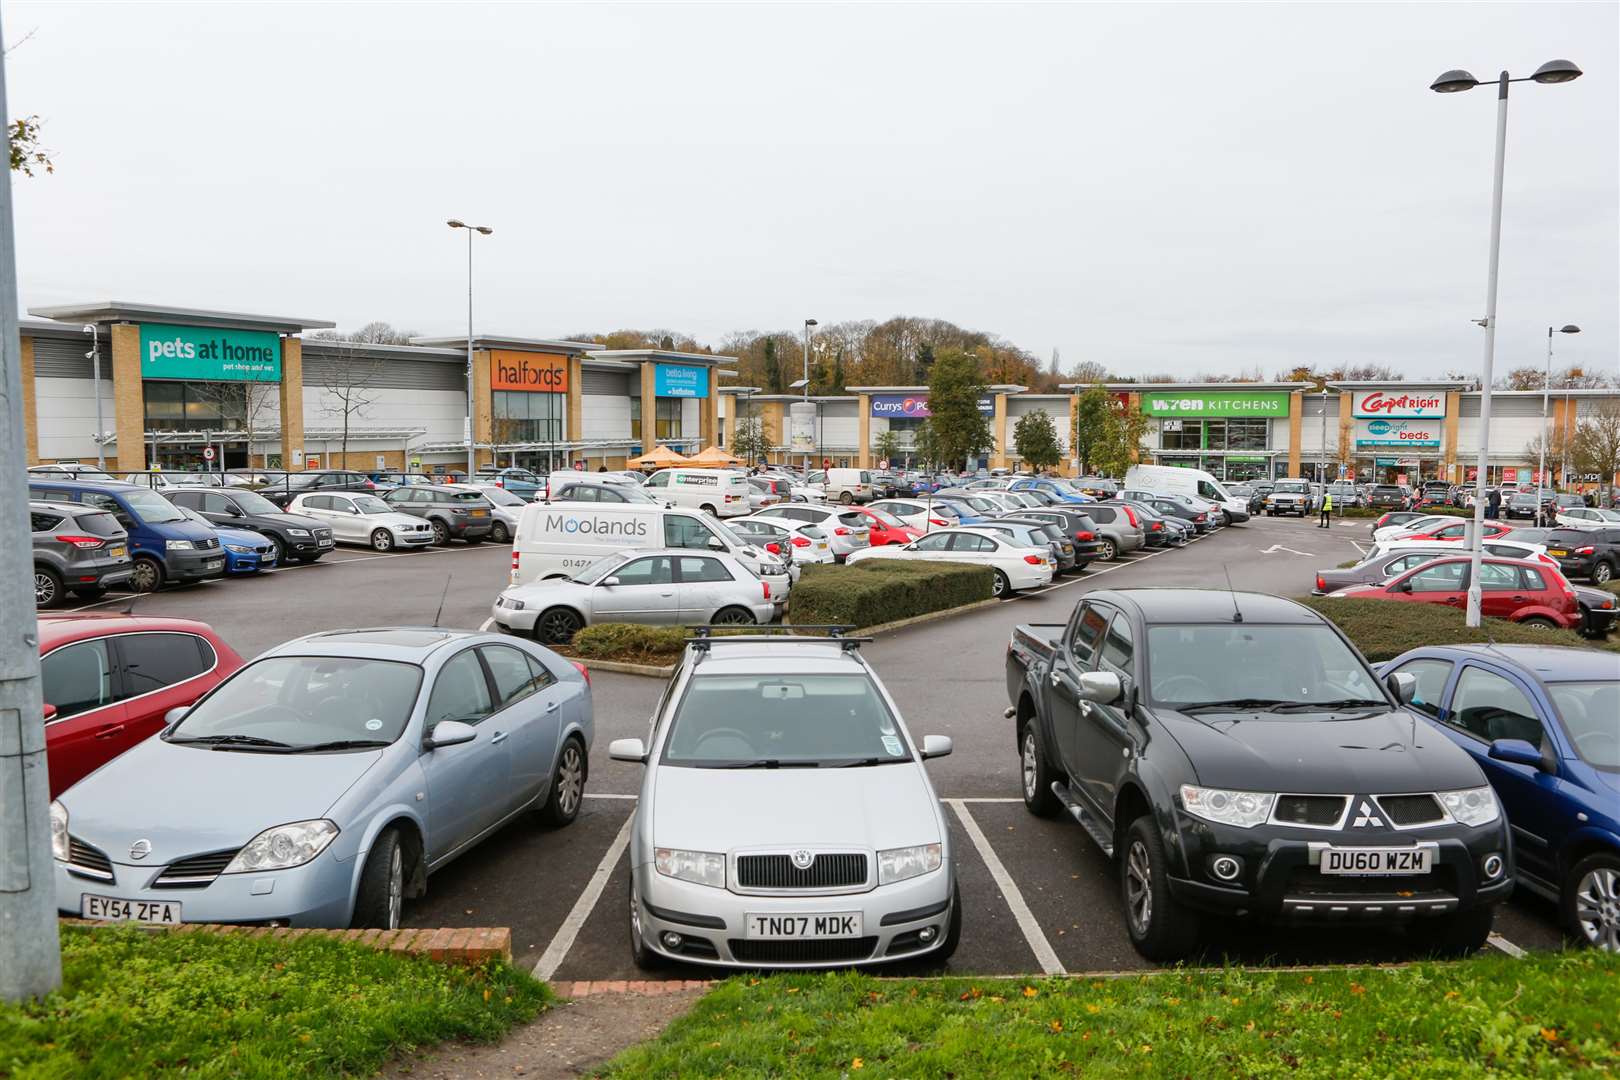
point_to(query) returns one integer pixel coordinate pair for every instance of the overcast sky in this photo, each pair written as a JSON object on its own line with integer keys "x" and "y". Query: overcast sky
{"x": 1185, "y": 188}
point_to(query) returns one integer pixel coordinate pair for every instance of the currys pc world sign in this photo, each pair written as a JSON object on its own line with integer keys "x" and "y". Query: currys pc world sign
{"x": 1408, "y": 405}
{"x": 915, "y": 406}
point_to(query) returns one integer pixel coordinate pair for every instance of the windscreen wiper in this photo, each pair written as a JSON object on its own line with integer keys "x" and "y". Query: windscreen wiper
{"x": 223, "y": 741}
{"x": 1332, "y": 706}
{"x": 768, "y": 763}
{"x": 858, "y": 763}
{"x": 1246, "y": 704}
{"x": 342, "y": 744}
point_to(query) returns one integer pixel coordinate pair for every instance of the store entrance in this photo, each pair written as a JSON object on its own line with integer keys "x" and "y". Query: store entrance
{"x": 188, "y": 456}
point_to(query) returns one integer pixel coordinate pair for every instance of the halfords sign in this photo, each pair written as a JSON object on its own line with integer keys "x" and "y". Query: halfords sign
{"x": 528, "y": 371}
{"x": 1375, "y": 433}
{"x": 916, "y": 405}
{"x": 1389, "y": 403}
{"x": 1224, "y": 403}
{"x": 205, "y": 354}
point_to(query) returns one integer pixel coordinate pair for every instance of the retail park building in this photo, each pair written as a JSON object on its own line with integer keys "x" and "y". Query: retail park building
{"x": 174, "y": 381}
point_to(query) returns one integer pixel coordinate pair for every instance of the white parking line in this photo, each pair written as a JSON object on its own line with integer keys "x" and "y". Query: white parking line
{"x": 1050, "y": 964}
{"x": 608, "y": 795}
{"x": 483, "y": 627}
{"x": 1497, "y": 941}
{"x": 557, "y": 951}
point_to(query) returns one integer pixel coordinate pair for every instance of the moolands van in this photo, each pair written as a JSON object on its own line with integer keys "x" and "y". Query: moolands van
{"x": 560, "y": 539}
{"x": 1173, "y": 480}
{"x": 721, "y": 492}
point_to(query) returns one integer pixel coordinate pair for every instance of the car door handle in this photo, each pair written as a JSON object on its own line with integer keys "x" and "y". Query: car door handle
{"x": 109, "y": 731}
{"x": 551, "y": 706}
{"x": 1453, "y": 600}
{"x": 1521, "y": 599}
{"x": 499, "y": 736}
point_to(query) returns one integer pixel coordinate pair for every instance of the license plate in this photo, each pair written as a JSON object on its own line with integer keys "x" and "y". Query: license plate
{"x": 213, "y": 564}
{"x": 112, "y": 909}
{"x": 1557, "y": 553}
{"x": 325, "y": 541}
{"x": 480, "y": 513}
{"x": 1377, "y": 862}
{"x": 832, "y": 924}
{"x": 116, "y": 552}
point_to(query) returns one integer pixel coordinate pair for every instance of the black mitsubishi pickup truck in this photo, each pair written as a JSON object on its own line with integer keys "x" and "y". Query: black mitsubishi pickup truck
{"x": 1236, "y": 755}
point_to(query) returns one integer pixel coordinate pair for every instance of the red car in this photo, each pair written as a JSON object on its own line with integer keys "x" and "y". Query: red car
{"x": 110, "y": 678}
{"x": 1459, "y": 531}
{"x": 1521, "y": 590}
{"x": 886, "y": 528}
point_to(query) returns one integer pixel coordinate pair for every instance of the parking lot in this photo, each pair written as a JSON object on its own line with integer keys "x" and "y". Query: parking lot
{"x": 1038, "y": 896}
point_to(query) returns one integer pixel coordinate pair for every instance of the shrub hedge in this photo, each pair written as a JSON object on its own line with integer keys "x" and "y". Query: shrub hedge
{"x": 1383, "y": 629}
{"x": 884, "y": 590}
{"x": 630, "y": 641}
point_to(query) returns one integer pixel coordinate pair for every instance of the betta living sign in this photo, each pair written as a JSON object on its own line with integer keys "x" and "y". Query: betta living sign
{"x": 1427, "y": 405}
{"x": 915, "y": 406}
{"x": 1217, "y": 404}
{"x": 209, "y": 354}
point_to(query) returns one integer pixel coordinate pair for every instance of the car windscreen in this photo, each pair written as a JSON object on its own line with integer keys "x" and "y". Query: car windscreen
{"x": 293, "y": 703}
{"x": 152, "y": 508}
{"x": 888, "y": 520}
{"x": 1293, "y": 489}
{"x": 1296, "y": 664}
{"x": 1589, "y": 710}
{"x": 370, "y": 504}
{"x": 467, "y": 496}
{"x": 501, "y": 497}
{"x": 599, "y": 569}
{"x": 253, "y": 503}
{"x": 771, "y": 721}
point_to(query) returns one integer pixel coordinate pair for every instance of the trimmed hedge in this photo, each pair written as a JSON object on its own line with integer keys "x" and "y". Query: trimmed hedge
{"x": 884, "y": 590}
{"x": 1383, "y": 629}
{"x": 630, "y": 641}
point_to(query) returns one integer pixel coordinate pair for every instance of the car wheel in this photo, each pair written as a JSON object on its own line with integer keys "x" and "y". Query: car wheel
{"x": 709, "y": 509}
{"x": 382, "y": 885}
{"x": 1160, "y": 928}
{"x": 1037, "y": 772}
{"x": 733, "y": 616}
{"x": 567, "y": 786}
{"x": 278, "y": 550}
{"x": 500, "y": 534}
{"x": 147, "y": 575}
{"x": 1538, "y": 623}
{"x": 1001, "y": 587}
{"x": 558, "y": 626}
{"x": 846, "y": 498}
{"x": 1590, "y": 901}
{"x": 441, "y": 534}
{"x": 382, "y": 540}
{"x": 953, "y": 931}
{"x": 47, "y": 587}
{"x": 644, "y": 958}
{"x": 1462, "y": 932}
{"x": 1109, "y": 551}
{"x": 1602, "y": 573}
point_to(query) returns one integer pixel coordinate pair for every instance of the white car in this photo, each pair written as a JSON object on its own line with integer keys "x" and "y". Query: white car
{"x": 506, "y": 510}
{"x": 666, "y": 587}
{"x": 846, "y": 530}
{"x": 358, "y": 518}
{"x": 1507, "y": 549}
{"x": 1583, "y": 517}
{"x": 1016, "y": 566}
{"x": 1412, "y": 527}
{"x": 810, "y": 543}
{"x": 921, "y": 514}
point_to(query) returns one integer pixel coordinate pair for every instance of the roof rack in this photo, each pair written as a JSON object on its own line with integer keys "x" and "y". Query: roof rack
{"x": 703, "y": 638}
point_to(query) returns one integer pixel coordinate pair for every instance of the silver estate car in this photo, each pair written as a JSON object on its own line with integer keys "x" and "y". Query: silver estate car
{"x": 321, "y": 784}
{"x": 669, "y": 587}
{"x": 785, "y": 818}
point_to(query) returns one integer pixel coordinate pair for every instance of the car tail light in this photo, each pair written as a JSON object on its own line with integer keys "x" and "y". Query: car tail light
{"x": 583, "y": 670}
{"x": 500, "y": 481}
{"x": 1578, "y": 551}
{"x": 1130, "y": 515}
{"x": 81, "y": 541}
{"x": 1201, "y": 517}
{"x": 1321, "y": 585}
{"x": 937, "y": 521}
{"x": 1158, "y": 526}
{"x": 1085, "y": 534}
{"x": 1034, "y": 560}
{"x": 774, "y": 548}
{"x": 514, "y": 562}
{"x": 765, "y": 589}
{"x": 840, "y": 531}
{"x": 798, "y": 541}
{"x": 371, "y": 485}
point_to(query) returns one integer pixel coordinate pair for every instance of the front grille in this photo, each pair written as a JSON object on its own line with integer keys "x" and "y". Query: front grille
{"x": 1411, "y": 809}
{"x": 210, "y": 544}
{"x": 1308, "y": 883}
{"x": 1318, "y": 810}
{"x": 828, "y": 951}
{"x": 195, "y": 872}
{"x": 88, "y": 860}
{"x": 828, "y": 871}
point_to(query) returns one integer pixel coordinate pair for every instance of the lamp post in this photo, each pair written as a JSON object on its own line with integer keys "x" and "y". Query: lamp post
{"x": 1546, "y": 386}
{"x": 95, "y": 381}
{"x": 472, "y": 464}
{"x": 1452, "y": 82}
{"x": 809, "y": 325}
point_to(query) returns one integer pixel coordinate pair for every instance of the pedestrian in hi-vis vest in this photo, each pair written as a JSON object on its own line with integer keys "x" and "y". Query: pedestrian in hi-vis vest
{"x": 1327, "y": 510}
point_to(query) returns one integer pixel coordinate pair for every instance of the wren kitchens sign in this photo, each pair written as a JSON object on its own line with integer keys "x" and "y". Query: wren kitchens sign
{"x": 1218, "y": 404}
{"x": 208, "y": 354}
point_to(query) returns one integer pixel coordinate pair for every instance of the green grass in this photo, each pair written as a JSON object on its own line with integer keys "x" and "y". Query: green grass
{"x": 1548, "y": 1015}
{"x": 1383, "y": 629}
{"x": 135, "y": 1004}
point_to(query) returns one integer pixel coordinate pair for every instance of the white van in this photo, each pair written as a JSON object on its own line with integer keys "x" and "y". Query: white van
{"x": 721, "y": 492}
{"x": 843, "y": 485}
{"x": 1174, "y": 480}
{"x": 560, "y": 539}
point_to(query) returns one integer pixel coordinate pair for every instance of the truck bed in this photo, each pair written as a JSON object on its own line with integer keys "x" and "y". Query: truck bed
{"x": 1031, "y": 646}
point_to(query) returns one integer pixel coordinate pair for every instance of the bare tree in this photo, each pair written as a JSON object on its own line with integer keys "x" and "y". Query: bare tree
{"x": 347, "y": 378}
{"x": 246, "y": 401}
{"x": 1596, "y": 448}
{"x": 375, "y": 332}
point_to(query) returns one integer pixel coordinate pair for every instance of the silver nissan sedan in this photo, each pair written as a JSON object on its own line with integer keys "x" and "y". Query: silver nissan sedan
{"x": 785, "y": 818}
{"x": 321, "y": 784}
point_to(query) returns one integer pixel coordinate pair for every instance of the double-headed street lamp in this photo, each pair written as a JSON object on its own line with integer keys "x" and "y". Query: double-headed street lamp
{"x": 1546, "y": 385}
{"x": 472, "y": 464}
{"x": 809, "y": 325}
{"x": 1451, "y": 82}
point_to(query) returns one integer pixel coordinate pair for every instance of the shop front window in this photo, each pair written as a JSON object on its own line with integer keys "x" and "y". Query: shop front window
{"x": 207, "y": 406}
{"x": 524, "y": 416}
{"x": 667, "y": 421}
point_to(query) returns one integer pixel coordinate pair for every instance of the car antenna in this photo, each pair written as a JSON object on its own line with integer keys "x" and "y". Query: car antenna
{"x": 1237, "y": 612}
{"x": 442, "y": 595}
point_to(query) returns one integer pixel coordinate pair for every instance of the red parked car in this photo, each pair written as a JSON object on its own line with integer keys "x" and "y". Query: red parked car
{"x": 110, "y": 678}
{"x": 886, "y": 528}
{"x": 1520, "y": 590}
{"x": 1459, "y": 531}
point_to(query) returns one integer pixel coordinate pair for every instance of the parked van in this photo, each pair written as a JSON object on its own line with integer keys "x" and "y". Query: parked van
{"x": 843, "y": 485}
{"x": 1174, "y": 480}
{"x": 561, "y": 539}
{"x": 721, "y": 492}
{"x": 166, "y": 546}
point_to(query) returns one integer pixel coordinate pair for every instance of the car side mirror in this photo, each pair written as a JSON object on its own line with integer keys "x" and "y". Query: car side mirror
{"x": 1403, "y": 587}
{"x": 610, "y": 581}
{"x": 1517, "y": 751}
{"x": 449, "y": 733}
{"x": 1402, "y": 685}
{"x": 49, "y": 712}
{"x": 173, "y": 716}
{"x": 1102, "y": 687}
{"x": 936, "y": 746}
{"x": 628, "y": 750}
{"x": 715, "y": 544}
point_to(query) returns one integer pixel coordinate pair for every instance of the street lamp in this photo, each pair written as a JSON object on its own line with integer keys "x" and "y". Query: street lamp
{"x": 1546, "y": 385}
{"x": 1451, "y": 82}
{"x": 94, "y": 356}
{"x": 809, "y": 325}
{"x": 472, "y": 466}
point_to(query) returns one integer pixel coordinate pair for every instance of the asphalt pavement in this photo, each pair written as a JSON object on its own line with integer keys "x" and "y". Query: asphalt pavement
{"x": 1037, "y": 895}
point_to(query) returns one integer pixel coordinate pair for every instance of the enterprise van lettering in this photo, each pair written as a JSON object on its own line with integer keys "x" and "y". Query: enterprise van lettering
{"x": 588, "y": 526}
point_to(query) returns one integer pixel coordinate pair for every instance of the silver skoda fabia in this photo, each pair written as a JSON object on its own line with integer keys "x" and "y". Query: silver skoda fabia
{"x": 785, "y": 818}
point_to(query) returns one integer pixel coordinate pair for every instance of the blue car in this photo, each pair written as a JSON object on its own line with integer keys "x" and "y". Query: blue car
{"x": 1543, "y": 722}
{"x": 246, "y": 551}
{"x": 966, "y": 514}
{"x": 167, "y": 546}
{"x": 1056, "y": 489}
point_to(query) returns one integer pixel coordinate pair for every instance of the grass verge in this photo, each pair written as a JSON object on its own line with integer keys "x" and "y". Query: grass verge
{"x": 1383, "y": 629}
{"x": 1490, "y": 1016}
{"x": 134, "y": 1004}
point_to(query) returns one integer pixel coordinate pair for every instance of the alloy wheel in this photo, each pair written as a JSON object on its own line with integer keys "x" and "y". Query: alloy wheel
{"x": 1601, "y": 573}
{"x": 441, "y": 535}
{"x": 45, "y": 589}
{"x": 570, "y": 779}
{"x": 734, "y": 617}
{"x": 1139, "y": 888}
{"x": 1597, "y": 908}
{"x": 558, "y": 627}
{"x": 382, "y": 540}
{"x": 144, "y": 578}
{"x": 1030, "y": 764}
{"x": 396, "y": 887}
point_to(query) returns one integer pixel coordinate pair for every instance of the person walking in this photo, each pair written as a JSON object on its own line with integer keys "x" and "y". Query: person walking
{"x": 1327, "y": 510}
{"x": 1493, "y": 503}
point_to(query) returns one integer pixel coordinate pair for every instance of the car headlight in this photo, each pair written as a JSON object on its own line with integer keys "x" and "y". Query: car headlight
{"x": 283, "y": 847}
{"x": 179, "y": 545}
{"x": 898, "y": 864}
{"x": 59, "y": 833}
{"x": 699, "y": 867}
{"x": 297, "y": 532}
{"x": 515, "y": 605}
{"x": 1471, "y": 806}
{"x": 1245, "y": 809}
{"x": 239, "y": 549}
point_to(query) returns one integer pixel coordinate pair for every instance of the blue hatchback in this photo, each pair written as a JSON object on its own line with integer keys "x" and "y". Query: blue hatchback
{"x": 1543, "y": 722}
